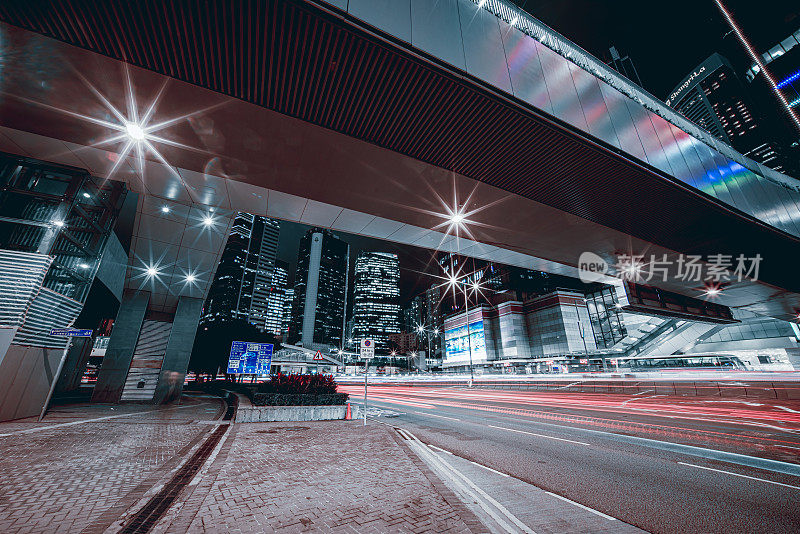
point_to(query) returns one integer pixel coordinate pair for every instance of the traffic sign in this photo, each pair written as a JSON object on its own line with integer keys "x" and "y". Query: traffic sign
{"x": 71, "y": 332}
{"x": 367, "y": 348}
{"x": 318, "y": 356}
{"x": 250, "y": 358}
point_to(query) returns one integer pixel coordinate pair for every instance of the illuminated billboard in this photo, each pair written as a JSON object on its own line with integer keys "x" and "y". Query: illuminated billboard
{"x": 457, "y": 345}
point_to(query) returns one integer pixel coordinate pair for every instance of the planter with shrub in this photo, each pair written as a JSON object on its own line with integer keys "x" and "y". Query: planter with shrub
{"x": 294, "y": 398}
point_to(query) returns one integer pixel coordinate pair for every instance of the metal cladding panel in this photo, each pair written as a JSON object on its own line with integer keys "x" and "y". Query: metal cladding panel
{"x": 46, "y": 311}
{"x": 21, "y": 277}
{"x": 647, "y": 134}
{"x": 562, "y": 91}
{"x": 436, "y": 29}
{"x": 148, "y": 357}
{"x": 685, "y": 144}
{"x": 720, "y": 175}
{"x": 784, "y": 219}
{"x": 483, "y": 46}
{"x": 621, "y": 119}
{"x": 594, "y": 107}
{"x": 677, "y": 163}
{"x": 391, "y": 16}
{"x": 525, "y": 69}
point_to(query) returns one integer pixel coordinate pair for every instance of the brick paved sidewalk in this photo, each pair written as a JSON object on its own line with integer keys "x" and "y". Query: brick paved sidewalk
{"x": 85, "y": 464}
{"x": 329, "y": 476}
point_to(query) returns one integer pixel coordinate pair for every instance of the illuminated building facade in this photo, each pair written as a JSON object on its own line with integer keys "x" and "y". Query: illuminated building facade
{"x": 713, "y": 97}
{"x": 783, "y": 62}
{"x": 517, "y": 334}
{"x": 277, "y": 298}
{"x": 320, "y": 290}
{"x": 241, "y": 285}
{"x": 376, "y": 307}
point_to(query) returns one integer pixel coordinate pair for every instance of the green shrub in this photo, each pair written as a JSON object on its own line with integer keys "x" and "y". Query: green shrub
{"x": 299, "y": 384}
{"x": 299, "y": 399}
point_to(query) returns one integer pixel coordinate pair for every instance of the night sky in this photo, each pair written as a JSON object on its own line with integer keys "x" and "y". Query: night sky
{"x": 665, "y": 40}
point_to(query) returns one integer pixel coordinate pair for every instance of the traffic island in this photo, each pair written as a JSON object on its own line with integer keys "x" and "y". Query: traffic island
{"x": 292, "y": 398}
{"x": 247, "y": 412}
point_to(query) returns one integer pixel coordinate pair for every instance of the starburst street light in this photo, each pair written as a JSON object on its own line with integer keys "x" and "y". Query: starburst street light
{"x": 133, "y": 128}
{"x": 712, "y": 290}
{"x": 134, "y": 131}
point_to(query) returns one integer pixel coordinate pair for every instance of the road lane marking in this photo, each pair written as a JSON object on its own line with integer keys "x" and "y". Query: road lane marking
{"x": 442, "y": 416}
{"x": 489, "y": 468}
{"x": 740, "y": 475}
{"x": 539, "y": 435}
{"x": 470, "y": 489}
{"x": 579, "y": 505}
{"x": 440, "y": 450}
{"x": 71, "y": 423}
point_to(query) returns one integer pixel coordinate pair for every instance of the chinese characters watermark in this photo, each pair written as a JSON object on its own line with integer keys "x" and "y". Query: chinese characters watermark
{"x": 713, "y": 268}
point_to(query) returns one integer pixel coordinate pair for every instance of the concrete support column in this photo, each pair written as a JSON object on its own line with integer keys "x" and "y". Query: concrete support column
{"x": 179, "y": 349}
{"x": 117, "y": 361}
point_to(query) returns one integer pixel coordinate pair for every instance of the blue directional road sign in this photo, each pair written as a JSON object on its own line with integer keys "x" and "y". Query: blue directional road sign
{"x": 71, "y": 332}
{"x": 250, "y": 358}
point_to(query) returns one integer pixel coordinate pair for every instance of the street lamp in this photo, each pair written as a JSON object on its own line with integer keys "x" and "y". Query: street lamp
{"x": 454, "y": 281}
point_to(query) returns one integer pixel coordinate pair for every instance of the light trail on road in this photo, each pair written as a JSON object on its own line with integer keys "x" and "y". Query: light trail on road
{"x": 661, "y": 463}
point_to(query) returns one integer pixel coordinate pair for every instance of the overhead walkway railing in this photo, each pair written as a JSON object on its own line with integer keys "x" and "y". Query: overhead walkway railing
{"x": 510, "y": 13}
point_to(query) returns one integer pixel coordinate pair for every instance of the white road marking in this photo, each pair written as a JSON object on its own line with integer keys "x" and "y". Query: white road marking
{"x": 579, "y": 505}
{"x": 489, "y": 469}
{"x": 440, "y": 450}
{"x": 441, "y": 416}
{"x": 71, "y": 423}
{"x": 740, "y": 475}
{"x": 472, "y": 490}
{"x": 539, "y": 435}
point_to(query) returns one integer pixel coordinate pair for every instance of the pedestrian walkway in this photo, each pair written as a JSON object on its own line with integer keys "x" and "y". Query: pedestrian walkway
{"x": 94, "y": 468}
{"x": 84, "y": 462}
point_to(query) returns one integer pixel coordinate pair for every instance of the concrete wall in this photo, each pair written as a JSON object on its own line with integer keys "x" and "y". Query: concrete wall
{"x": 257, "y": 414}
{"x": 25, "y": 377}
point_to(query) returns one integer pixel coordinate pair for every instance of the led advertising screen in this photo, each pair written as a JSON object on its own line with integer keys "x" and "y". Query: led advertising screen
{"x": 457, "y": 348}
{"x": 250, "y": 358}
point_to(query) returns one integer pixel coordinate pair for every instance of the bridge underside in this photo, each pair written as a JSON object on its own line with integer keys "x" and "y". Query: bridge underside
{"x": 308, "y": 118}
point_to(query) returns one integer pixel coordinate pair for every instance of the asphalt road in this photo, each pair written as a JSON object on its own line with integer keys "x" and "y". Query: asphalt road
{"x": 663, "y": 464}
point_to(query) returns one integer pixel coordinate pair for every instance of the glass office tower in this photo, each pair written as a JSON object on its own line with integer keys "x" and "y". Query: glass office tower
{"x": 376, "y": 297}
{"x": 320, "y": 291}
{"x": 240, "y": 288}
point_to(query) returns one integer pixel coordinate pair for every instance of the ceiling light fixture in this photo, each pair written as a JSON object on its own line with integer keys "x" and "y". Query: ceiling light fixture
{"x": 134, "y": 131}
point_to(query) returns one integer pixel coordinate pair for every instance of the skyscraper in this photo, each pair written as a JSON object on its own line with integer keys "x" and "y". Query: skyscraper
{"x": 713, "y": 97}
{"x": 624, "y": 65}
{"x": 376, "y": 297}
{"x": 320, "y": 290}
{"x": 241, "y": 284}
{"x": 276, "y": 298}
{"x": 783, "y": 62}
{"x": 287, "y": 312}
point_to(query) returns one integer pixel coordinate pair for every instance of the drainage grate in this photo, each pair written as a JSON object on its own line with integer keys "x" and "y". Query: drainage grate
{"x": 146, "y": 518}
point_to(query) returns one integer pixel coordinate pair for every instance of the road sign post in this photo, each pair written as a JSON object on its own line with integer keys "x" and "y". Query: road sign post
{"x": 68, "y": 333}
{"x": 367, "y": 352}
